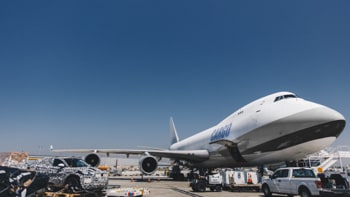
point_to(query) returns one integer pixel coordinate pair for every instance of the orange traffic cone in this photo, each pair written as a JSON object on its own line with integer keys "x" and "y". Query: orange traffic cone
{"x": 250, "y": 180}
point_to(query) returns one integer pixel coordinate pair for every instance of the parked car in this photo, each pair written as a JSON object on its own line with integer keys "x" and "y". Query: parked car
{"x": 71, "y": 174}
{"x": 292, "y": 181}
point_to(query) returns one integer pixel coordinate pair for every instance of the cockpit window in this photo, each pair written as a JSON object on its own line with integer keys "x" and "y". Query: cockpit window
{"x": 278, "y": 98}
{"x": 289, "y": 96}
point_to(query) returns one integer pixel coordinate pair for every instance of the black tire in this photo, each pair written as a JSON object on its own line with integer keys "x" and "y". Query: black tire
{"x": 201, "y": 186}
{"x": 72, "y": 185}
{"x": 218, "y": 188}
{"x": 266, "y": 191}
{"x": 304, "y": 193}
{"x": 194, "y": 188}
{"x": 50, "y": 187}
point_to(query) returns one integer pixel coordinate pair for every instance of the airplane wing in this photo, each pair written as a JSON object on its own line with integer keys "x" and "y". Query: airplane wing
{"x": 188, "y": 155}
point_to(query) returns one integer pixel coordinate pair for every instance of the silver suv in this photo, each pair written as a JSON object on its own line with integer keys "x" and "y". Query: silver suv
{"x": 71, "y": 174}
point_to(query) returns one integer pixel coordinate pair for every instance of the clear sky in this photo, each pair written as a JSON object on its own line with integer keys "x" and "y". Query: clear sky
{"x": 109, "y": 74}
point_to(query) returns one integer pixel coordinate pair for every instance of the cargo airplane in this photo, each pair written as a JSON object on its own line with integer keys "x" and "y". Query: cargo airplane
{"x": 276, "y": 128}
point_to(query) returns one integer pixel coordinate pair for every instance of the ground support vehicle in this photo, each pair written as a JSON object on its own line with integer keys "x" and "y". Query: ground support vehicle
{"x": 214, "y": 182}
{"x": 334, "y": 185}
{"x": 292, "y": 181}
{"x": 244, "y": 187}
{"x": 334, "y": 193}
{"x": 240, "y": 180}
{"x": 71, "y": 175}
{"x": 176, "y": 174}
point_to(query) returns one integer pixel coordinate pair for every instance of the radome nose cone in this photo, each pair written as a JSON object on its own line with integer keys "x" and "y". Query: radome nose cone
{"x": 333, "y": 115}
{"x": 323, "y": 114}
{"x": 329, "y": 118}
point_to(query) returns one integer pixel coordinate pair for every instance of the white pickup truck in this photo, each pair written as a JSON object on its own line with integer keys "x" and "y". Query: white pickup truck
{"x": 292, "y": 181}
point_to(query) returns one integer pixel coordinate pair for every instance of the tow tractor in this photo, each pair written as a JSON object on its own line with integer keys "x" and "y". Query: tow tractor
{"x": 200, "y": 183}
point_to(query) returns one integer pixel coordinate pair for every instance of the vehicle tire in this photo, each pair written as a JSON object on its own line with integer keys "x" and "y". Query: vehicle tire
{"x": 290, "y": 195}
{"x": 218, "y": 188}
{"x": 194, "y": 188}
{"x": 72, "y": 184}
{"x": 266, "y": 191}
{"x": 50, "y": 188}
{"x": 304, "y": 193}
{"x": 201, "y": 186}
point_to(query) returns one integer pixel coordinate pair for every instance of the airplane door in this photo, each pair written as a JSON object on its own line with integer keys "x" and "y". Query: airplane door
{"x": 259, "y": 109}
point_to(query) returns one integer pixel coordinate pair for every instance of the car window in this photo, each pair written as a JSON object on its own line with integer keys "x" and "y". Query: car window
{"x": 281, "y": 173}
{"x": 81, "y": 163}
{"x": 276, "y": 174}
{"x": 308, "y": 173}
{"x": 74, "y": 162}
{"x": 284, "y": 173}
{"x": 56, "y": 162}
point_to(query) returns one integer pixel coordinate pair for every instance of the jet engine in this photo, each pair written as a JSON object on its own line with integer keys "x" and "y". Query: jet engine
{"x": 92, "y": 159}
{"x": 148, "y": 164}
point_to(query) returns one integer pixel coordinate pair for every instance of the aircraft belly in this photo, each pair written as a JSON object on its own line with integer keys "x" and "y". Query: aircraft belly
{"x": 222, "y": 159}
{"x": 292, "y": 153}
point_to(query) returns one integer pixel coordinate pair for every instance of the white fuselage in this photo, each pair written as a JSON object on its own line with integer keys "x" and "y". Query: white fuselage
{"x": 275, "y": 128}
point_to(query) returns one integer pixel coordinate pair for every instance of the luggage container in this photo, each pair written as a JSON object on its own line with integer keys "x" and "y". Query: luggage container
{"x": 237, "y": 180}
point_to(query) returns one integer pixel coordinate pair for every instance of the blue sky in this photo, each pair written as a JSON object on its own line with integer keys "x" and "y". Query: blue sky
{"x": 109, "y": 74}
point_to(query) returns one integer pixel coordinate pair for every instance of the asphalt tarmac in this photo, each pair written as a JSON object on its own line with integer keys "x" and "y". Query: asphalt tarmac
{"x": 167, "y": 188}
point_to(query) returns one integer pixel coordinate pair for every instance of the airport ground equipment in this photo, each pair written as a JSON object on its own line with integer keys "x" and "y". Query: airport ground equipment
{"x": 292, "y": 181}
{"x": 121, "y": 192}
{"x": 240, "y": 180}
{"x": 63, "y": 194}
{"x": 334, "y": 185}
{"x": 176, "y": 173}
{"x": 71, "y": 174}
{"x": 213, "y": 182}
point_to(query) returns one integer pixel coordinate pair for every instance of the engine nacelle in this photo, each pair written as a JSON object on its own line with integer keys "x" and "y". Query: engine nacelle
{"x": 92, "y": 159}
{"x": 148, "y": 164}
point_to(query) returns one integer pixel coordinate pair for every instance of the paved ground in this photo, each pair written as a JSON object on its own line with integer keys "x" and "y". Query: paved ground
{"x": 166, "y": 188}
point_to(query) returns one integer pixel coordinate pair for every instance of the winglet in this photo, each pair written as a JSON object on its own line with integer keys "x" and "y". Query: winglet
{"x": 173, "y": 133}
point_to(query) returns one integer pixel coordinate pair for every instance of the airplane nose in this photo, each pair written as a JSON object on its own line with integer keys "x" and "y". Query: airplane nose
{"x": 327, "y": 114}
{"x": 327, "y": 121}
